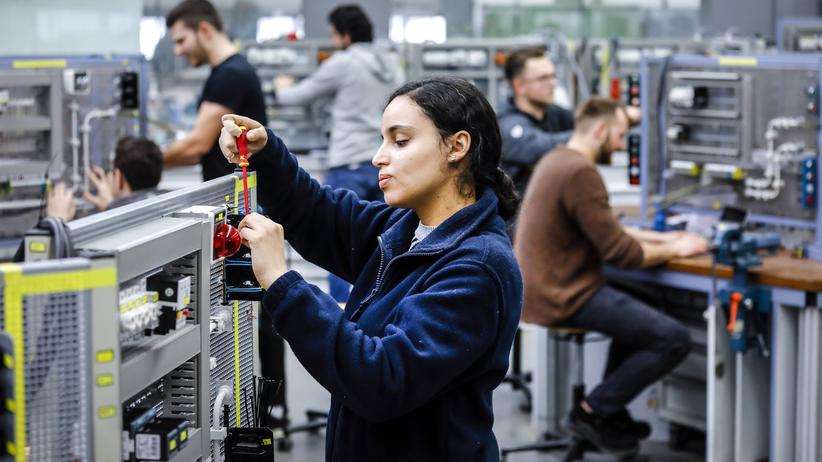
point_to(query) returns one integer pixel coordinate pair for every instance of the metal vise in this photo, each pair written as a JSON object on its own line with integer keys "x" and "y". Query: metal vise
{"x": 748, "y": 306}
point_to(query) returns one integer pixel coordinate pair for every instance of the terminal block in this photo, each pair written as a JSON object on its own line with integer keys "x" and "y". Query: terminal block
{"x": 239, "y": 282}
{"x": 174, "y": 297}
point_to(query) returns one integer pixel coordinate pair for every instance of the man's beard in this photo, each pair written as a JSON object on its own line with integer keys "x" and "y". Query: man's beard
{"x": 200, "y": 57}
{"x": 604, "y": 154}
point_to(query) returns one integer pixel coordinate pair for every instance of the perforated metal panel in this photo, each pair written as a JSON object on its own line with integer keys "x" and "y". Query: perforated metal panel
{"x": 222, "y": 349}
{"x": 55, "y": 394}
{"x": 57, "y": 389}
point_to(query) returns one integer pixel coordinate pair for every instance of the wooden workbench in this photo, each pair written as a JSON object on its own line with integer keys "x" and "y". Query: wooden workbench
{"x": 781, "y": 270}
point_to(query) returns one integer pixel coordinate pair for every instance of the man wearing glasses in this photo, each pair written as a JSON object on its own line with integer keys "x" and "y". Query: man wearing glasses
{"x": 531, "y": 124}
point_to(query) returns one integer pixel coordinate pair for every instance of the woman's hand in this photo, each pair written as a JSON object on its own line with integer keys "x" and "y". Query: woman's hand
{"x": 256, "y": 136}
{"x": 267, "y": 243}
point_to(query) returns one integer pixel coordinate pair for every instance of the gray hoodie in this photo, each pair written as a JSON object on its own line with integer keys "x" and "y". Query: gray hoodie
{"x": 360, "y": 78}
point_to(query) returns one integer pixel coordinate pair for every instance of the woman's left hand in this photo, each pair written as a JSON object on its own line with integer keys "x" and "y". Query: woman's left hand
{"x": 267, "y": 243}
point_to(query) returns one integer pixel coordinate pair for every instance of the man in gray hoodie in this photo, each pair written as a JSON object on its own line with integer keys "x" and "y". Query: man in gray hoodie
{"x": 359, "y": 76}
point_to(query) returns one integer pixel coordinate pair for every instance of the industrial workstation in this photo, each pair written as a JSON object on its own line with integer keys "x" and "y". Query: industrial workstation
{"x": 429, "y": 230}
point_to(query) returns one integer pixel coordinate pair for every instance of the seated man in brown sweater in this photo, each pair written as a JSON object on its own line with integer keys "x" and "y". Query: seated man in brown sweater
{"x": 566, "y": 233}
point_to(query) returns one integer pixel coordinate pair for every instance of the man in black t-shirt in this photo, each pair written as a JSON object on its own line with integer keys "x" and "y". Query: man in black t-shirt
{"x": 232, "y": 87}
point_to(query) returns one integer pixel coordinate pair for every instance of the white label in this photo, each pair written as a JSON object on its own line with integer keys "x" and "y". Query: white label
{"x": 126, "y": 446}
{"x": 147, "y": 446}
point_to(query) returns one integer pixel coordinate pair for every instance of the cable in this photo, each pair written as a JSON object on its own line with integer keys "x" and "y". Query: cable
{"x": 660, "y": 108}
{"x": 45, "y": 187}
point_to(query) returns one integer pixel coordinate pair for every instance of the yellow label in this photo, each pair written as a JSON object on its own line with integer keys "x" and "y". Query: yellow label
{"x": 105, "y": 356}
{"x": 37, "y": 247}
{"x": 123, "y": 308}
{"x": 145, "y": 299}
{"x": 738, "y": 61}
{"x": 738, "y": 174}
{"x": 266, "y": 441}
{"x": 11, "y": 405}
{"x": 183, "y": 435}
{"x": 220, "y": 217}
{"x": 8, "y": 361}
{"x": 228, "y": 197}
{"x": 11, "y": 449}
{"x": 186, "y": 300}
{"x": 37, "y": 63}
{"x": 107, "y": 412}
{"x": 172, "y": 444}
{"x": 105, "y": 380}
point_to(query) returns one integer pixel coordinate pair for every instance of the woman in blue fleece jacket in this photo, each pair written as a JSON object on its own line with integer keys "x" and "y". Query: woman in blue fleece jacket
{"x": 424, "y": 339}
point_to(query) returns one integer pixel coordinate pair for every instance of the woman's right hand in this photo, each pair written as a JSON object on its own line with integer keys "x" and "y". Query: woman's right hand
{"x": 256, "y": 136}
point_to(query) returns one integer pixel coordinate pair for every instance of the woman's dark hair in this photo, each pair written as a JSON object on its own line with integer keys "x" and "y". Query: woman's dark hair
{"x": 454, "y": 104}
{"x": 352, "y": 20}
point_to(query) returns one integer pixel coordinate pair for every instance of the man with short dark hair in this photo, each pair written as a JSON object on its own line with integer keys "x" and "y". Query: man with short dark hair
{"x": 232, "y": 87}
{"x": 530, "y": 123}
{"x": 138, "y": 166}
{"x": 566, "y": 232}
{"x": 359, "y": 76}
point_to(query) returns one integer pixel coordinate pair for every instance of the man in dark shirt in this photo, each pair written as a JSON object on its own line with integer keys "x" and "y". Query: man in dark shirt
{"x": 232, "y": 87}
{"x": 566, "y": 231}
{"x": 530, "y": 123}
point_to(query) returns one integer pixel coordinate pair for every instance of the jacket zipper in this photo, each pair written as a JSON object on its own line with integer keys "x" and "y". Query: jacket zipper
{"x": 382, "y": 272}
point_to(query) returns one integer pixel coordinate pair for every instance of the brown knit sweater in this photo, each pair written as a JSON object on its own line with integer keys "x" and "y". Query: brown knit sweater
{"x": 565, "y": 231}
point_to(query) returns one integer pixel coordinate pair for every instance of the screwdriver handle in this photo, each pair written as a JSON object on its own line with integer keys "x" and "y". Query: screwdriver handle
{"x": 242, "y": 146}
{"x": 736, "y": 297}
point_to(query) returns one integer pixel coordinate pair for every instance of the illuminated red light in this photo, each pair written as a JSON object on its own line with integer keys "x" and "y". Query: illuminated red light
{"x": 226, "y": 240}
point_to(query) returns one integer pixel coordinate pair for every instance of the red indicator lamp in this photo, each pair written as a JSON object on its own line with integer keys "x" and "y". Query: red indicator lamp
{"x": 226, "y": 240}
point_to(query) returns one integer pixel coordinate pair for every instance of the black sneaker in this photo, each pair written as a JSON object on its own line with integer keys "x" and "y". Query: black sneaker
{"x": 624, "y": 423}
{"x": 600, "y": 433}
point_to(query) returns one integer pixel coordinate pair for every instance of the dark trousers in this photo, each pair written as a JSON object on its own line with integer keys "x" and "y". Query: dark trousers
{"x": 362, "y": 179}
{"x": 646, "y": 345}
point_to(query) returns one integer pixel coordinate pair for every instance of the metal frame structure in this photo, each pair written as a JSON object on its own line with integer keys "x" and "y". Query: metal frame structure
{"x": 651, "y": 169}
{"x": 454, "y": 59}
{"x": 303, "y": 128}
{"x": 789, "y": 32}
{"x": 757, "y": 407}
{"x": 44, "y": 127}
{"x": 194, "y": 363}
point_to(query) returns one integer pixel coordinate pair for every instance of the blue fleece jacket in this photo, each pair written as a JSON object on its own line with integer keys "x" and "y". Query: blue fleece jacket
{"x": 412, "y": 361}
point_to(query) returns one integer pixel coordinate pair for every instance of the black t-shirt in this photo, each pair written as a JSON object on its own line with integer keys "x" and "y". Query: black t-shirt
{"x": 235, "y": 85}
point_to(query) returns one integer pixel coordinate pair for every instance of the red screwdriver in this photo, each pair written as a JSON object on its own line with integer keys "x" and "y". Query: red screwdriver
{"x": 242, "y": 148}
